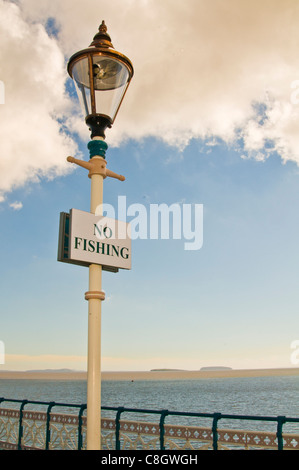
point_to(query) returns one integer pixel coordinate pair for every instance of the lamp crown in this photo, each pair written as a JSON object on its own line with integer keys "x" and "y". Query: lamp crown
{"x": 102, "y": 38}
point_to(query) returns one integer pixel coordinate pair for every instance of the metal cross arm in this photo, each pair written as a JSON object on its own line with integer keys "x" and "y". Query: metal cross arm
{"x": 96, "y": 166}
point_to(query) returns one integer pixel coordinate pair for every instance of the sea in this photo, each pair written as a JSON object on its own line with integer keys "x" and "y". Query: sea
{"x": 253, "y": 396}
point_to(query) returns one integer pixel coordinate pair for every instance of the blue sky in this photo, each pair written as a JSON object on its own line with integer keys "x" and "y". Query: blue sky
{"x": 232, "y": 303}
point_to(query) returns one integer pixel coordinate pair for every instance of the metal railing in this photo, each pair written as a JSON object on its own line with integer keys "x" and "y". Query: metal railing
{"x": 21, "y": 428}
{"x": 37, "y": 416}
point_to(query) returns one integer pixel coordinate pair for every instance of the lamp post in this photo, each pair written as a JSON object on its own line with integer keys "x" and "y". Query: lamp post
{"x": 101, "y": 76}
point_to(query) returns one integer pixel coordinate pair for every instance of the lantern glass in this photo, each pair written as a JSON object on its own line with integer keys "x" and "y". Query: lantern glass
{"x": 81, "y": 80}
{"x": 109, "y": 73}
{"x": 101, "y": 83}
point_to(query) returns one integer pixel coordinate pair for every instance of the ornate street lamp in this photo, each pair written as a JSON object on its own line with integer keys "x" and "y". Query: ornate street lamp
{"x": 101, "y": 76}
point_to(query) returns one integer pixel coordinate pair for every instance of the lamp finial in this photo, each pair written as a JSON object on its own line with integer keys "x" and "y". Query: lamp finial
{"x": 103, "y": 27}
{"x": 102, "y": 38}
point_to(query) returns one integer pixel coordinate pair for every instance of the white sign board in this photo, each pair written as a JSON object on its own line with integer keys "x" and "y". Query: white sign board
{"x": 99, "y": 240}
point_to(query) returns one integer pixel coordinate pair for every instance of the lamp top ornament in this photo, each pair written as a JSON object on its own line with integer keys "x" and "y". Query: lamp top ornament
{"x": 101, "y": 44}
{"x": 102, "y": 38}
{"x": 102, "y": 76}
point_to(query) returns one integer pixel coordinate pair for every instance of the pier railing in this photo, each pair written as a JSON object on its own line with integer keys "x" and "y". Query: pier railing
{"x": 24, "y": 425}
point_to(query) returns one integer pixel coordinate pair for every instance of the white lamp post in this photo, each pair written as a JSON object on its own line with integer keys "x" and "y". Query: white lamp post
{"x": 102, "y": 76}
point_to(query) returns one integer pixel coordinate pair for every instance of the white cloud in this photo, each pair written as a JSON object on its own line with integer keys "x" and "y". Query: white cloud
{"x": 202, "y": 70}
{"x": 32, "y": 143}
{"x": 16, "y": 205}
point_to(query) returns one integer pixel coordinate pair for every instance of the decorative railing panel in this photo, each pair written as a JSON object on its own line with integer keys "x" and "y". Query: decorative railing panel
{"x": 31, "y": 429}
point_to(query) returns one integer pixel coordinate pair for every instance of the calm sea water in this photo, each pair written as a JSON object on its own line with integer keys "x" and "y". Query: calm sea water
{"x": 261, "y": 396}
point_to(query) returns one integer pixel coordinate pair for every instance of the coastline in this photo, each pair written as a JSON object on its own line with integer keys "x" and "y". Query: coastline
{"x": 149, "y": 375}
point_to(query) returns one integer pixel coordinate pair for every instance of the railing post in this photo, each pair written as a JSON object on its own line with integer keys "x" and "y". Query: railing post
{"x": 80, "y": 437}
{"x": 117, "y": 427}
{"x": 216, "y": 418}
{"x": 48, "y": 432}
{"x": 24, "y": 402}
{"x": 280, "y": 422}
{"x": 164, "y": 413}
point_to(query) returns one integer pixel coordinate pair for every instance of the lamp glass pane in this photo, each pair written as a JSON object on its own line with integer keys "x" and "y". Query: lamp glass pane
{"x": 80, "y": 72}
{"x": 81, "y": 79}
{"x": 110, "y": 83}
{"x": 109, "y": 73}
{"x": 84, "y": 98}
{"x": 108, "y": 101}
{"x": 110, "y": 80}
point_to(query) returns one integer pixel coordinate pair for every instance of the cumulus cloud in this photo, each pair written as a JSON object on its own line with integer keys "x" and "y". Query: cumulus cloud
{"x": 203, "y": 69}
{"x": 33, "y": 142}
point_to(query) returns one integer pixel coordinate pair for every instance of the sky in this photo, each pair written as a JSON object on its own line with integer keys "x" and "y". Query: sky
{"x": 210, "y": 119}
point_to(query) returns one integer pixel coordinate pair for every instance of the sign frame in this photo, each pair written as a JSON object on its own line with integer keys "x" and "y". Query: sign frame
{"x": 66, "y": 250}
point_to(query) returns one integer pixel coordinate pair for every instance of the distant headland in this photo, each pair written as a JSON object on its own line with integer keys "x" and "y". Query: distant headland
{"x": 154, "y": 374}
{"x": 201, "y": 369}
